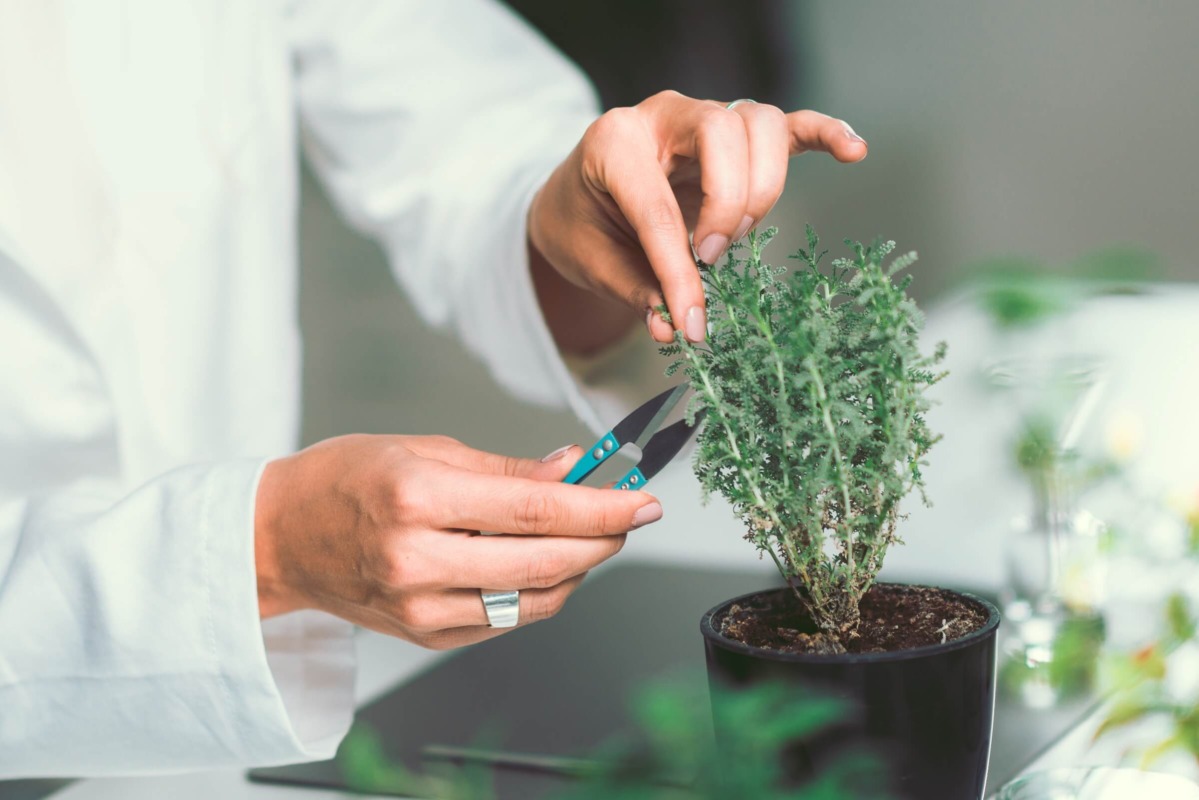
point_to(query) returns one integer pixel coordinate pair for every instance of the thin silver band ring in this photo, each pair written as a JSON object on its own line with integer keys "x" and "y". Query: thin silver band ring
{"x": 503, "y": 608}
{"x": 736, "y": 103}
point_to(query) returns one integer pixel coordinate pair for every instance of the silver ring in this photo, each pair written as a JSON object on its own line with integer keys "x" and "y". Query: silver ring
{"x": 736, "y": 103}
{"x": 503, "y": 608}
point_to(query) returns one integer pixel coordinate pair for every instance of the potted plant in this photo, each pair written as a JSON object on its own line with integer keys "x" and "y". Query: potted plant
{"x": 814, "y": 389}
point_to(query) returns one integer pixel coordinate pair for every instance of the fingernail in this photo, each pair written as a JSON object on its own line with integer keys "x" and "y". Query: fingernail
{"x": 647, "y": 514}
{"x": 851, "y": 135}
{"x": 695, "y": 326}
{"x": 649, "y": 321}
{"x": 554, "y": 456}
{"x": 743, "y": 228}
{"x": 711, "y": 248}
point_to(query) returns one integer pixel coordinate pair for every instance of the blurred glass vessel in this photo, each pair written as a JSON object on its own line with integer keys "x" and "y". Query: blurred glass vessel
{"x": 1056, "y": 572}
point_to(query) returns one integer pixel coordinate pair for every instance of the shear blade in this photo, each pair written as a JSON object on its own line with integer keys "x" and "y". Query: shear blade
{"x": 638, "y": 426}
{"x": 664, "y": 445}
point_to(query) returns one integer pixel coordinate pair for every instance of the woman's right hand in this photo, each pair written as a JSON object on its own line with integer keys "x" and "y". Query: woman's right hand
{"x": 383, "y": 531}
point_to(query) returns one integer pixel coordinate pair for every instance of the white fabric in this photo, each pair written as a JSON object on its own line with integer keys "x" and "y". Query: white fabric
{"x": 148, "y": 174}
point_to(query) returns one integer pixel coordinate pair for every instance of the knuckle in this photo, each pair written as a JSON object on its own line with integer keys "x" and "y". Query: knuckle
{"x": 405, "y": 612}
{"x": 408, "y": 500}
{"x": 420, "y": 615}
{"x": 509, "y": 466}
{"x": 546, "y": 569}
{"x": 394, "y": 572}
{"x": 664, "y": 96}
{"x": 612, "y": 124}
{"x": 764, "y": 112}
{"x": 600, "y": 521}
{"x": 440, "y": 440}
{"x": 538, "y": 512}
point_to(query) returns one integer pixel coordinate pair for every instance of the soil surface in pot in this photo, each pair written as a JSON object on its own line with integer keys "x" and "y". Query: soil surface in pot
{"x": 893, "y": 617}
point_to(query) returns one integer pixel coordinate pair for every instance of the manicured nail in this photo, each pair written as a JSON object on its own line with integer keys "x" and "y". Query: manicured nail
{"x": 743, "y": 228}
{"x": 851, "y": 135}
{"x": 647, "y": 514}
{"x": 695, "y": 326}
{"x": 711, "y": 248}
{"x": 557, "y": 454}
{"x": 649, "y": 321}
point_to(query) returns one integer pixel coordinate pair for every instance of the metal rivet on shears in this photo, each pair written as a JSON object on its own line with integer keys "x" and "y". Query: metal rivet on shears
{"x": 598, "y": 453}
{"x": 607, "y": 444}
{"x": 633, "y": 480}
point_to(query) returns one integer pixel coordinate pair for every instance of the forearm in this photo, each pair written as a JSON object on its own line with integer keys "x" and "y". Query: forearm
{"x": 580, "y": 321}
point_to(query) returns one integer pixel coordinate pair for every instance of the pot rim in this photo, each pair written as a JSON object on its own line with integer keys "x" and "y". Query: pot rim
{"x": 987, "y": 630}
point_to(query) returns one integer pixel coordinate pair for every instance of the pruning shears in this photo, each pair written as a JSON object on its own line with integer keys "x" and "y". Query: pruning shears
{"x": 640, "y": 428}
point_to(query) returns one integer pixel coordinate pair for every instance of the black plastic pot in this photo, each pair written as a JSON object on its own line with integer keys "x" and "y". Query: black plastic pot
{"x": 926, "y": 712}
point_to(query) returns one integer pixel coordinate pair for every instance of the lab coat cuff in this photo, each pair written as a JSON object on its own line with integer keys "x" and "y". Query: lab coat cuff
{"x": 311, "y": 658}
{"x": 290, "y": 679}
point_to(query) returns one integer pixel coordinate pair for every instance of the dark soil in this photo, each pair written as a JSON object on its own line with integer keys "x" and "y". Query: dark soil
{"x": 894, "y": 617}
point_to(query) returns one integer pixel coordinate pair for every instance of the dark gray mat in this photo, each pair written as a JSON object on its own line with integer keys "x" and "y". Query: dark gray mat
{"x": 561, "y": 687}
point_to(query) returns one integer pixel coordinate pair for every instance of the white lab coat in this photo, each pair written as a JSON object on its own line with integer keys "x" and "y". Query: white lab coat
{"x": 149, "y": 346}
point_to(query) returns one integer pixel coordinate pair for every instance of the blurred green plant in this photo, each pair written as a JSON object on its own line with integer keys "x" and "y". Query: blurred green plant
{"x": 755, "y": 724}
{"x": 670, "y": 756}
{"x": 1142, "y": 685}
{"x": 1021, "y": 292}
{"x": 365, "y": 767}
{"x": 1192, "y": 527}
{"x": 1050, "y": 466}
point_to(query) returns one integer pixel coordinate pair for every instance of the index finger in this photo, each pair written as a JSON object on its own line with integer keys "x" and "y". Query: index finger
{"x": 531, "y": 507}
{"x": 811, "y": 130}
{"x": 633, "y": 178}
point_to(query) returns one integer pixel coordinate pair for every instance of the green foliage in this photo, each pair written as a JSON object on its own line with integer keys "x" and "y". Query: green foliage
{"x": 814, "y": 388}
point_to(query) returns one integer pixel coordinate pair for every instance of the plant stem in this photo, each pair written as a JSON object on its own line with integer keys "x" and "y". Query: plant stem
{"x": 827, "y": 417}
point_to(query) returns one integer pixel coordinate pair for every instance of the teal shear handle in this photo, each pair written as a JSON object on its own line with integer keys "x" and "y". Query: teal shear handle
{"x": 598, "y": 454}
{"x": 633, "y": 480}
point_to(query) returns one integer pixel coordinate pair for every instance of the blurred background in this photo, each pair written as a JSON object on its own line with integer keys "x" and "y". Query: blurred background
{"x": 1016, "y": 128}
{"x": 1054, "y": 136}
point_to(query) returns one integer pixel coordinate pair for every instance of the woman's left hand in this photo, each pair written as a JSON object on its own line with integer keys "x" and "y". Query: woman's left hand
{"x": 614, "y": 217}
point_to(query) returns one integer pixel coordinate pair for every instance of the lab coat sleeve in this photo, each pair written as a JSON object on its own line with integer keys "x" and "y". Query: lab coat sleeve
{"x": 433, "y": 125}
{"x": 130, "y": 639}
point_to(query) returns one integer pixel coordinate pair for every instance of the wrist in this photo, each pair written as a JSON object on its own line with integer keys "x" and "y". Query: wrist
{"x": 275, "y": 596}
